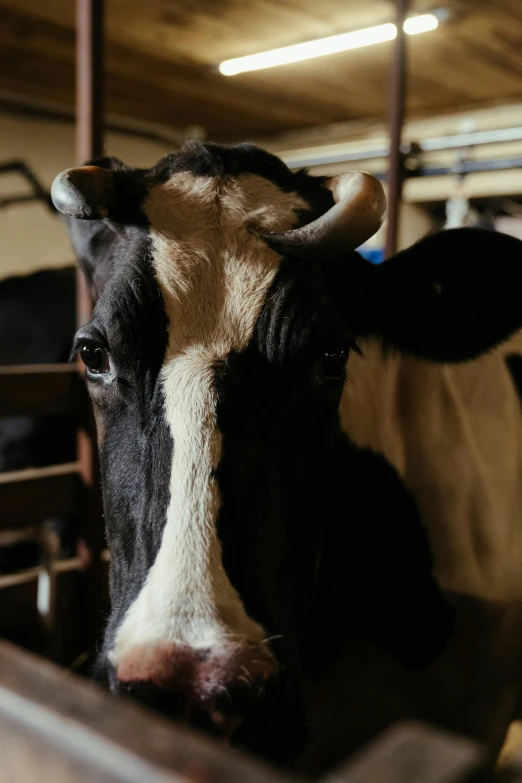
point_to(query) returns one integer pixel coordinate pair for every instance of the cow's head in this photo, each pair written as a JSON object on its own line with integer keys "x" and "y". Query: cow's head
{"x": 228, "y": 298}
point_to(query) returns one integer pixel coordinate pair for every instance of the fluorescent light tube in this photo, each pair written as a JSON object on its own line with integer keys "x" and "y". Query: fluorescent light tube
{"x": 421, "y": 24}
{"x": 324, "y": 46}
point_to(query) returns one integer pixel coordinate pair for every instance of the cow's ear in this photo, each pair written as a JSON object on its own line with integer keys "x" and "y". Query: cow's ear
{"x": 450, "y": 297}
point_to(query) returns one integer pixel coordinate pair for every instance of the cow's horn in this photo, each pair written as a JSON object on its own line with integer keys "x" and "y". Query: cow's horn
{"x": 357, "y": 214}
{"x": 86, "y": 192}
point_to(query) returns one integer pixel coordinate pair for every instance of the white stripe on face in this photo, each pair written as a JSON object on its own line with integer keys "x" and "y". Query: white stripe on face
{"x": 214, "y": 275}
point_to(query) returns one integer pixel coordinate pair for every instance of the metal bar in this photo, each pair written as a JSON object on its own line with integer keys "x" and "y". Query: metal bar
{"x": 89, "y": 144}
{"x": 439, "y": 143}
{"x": 467, "y": 167}
{"x": 89, "y": 80}
{"x": 33, "y": 574}
{"x": 396, "y": 119}
{"x": 39, "y": 192}
{"x": 89, "y": 108}
{"x": 471, "y": 166}
{"x": 8, "y": 202}
{"x": 473, "y": 139}
{"x": 297, "y": 161}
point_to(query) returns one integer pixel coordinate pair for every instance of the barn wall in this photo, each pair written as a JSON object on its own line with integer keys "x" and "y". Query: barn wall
{"x": 30, "y": 237}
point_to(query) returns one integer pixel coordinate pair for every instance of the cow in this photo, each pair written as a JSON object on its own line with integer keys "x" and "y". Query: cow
{"x": 311, "y": 465}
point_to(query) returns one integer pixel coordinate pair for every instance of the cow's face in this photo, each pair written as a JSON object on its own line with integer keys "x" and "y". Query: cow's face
{"x": 215, "y": 368}
{"x": 215, "y": 361}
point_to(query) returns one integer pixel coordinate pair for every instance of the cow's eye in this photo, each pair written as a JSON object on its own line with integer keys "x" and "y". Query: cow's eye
{"x": 95, "y": 358}
{"x": 334, "y": 362}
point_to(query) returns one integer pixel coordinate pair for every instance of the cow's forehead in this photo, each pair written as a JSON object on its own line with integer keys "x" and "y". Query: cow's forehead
{"x": 212, "y": 267}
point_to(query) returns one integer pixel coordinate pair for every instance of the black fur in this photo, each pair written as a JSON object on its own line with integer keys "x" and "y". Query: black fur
{"x": 322, "y": 541}
{"x": 450, "y": 297}
{"x": 136, "y": 445}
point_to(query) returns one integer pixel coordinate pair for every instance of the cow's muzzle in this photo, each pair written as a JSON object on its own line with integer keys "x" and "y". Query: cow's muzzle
{"x": 214, "y": 688}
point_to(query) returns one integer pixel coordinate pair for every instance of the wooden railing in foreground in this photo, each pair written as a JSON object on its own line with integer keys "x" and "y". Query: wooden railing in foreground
{"x": 58, "y": 728}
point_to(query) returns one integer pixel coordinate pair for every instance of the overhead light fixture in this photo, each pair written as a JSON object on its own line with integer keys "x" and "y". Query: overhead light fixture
{"x": 323, "y": 46}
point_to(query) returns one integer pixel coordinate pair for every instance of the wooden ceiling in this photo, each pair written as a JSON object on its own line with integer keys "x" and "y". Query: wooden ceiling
{"x": 161, "y": 57}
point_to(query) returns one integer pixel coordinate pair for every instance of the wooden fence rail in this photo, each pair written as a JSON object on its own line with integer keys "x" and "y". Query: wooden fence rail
{"x": 58, "y": 728}
{"x": 35, "y": 494}
{"x": 40, "y": 605}
{"x": 55, "y": 727}
{"x": 38, "y": 389}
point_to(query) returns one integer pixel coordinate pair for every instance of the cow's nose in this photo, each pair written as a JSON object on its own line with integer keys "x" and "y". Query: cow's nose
{"x": 214, "y": 688}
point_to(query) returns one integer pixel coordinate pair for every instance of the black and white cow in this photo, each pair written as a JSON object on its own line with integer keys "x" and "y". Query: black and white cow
{"x": 298, "y": 559}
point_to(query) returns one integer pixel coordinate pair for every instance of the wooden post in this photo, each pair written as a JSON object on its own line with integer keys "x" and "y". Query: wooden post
{"x": 396, "y": 118}
{"x": 89, "y": 144}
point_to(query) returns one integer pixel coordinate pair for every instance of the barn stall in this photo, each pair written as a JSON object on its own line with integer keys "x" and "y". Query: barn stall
{"x": 448, "y": 147}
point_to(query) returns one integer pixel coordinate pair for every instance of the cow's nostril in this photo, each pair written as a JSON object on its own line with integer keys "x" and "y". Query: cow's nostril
{"x": 224, "y": 703}
{"x": 211, "y": 689}
{"x": 168, "y": 702}
{"x": 239, "y": 697}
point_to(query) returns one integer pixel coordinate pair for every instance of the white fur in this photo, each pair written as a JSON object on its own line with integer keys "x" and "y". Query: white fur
{"x": 214, "y": 274}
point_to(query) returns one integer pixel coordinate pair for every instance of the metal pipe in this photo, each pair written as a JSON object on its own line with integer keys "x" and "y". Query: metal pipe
{"x": 89, "y": 144}
{"x": 89, "y": 110}
{"x": 467, "y": 167}
{"x": 89, "y": 80}
{"x": 297, "y": 160}
{"x": 470, "y": 167}
{"x": 39, "y": 193}
{"x": 473, "y": 139}
{"x": 396, "y": 119}
{"x": 438, "y": 143}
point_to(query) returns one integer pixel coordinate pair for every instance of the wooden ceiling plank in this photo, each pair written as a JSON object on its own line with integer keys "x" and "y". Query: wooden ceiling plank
{"x": 159, "y": 55}
{"x": 180, "y": 82}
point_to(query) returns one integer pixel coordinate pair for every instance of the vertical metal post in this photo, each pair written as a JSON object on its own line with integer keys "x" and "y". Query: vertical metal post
{"x": 89, "y": 107}
{"x": 89, "y": 79}
{"x": 89, "y": 144}
{"x": 396, "y": 118}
